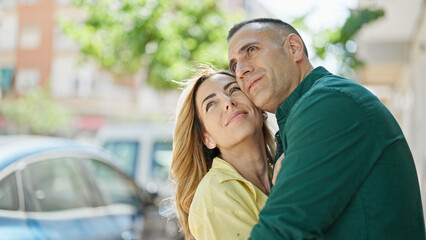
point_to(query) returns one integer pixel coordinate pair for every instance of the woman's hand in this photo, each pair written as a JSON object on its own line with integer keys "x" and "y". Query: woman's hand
{"x": 277, "y": 168}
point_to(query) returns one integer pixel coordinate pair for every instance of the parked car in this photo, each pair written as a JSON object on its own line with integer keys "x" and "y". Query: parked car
{"x": 53, "y": 188}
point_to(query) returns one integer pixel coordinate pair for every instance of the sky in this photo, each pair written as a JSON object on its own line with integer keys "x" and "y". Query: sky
{"x": 322, "y": 15}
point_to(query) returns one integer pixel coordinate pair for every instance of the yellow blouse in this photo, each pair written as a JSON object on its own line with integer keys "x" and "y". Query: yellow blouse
{"x": 225, "y": 205}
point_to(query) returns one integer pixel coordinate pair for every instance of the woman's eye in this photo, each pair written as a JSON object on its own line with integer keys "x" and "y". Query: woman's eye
{"x": 234, "y": 89}
{"x": 209, "y": 105}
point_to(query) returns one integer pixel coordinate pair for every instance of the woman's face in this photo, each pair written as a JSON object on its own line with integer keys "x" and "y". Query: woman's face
{"x": 226, "y": 112}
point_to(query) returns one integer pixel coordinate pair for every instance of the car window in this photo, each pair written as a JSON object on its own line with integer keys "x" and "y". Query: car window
{"x": 55, "y": 184}
{"x": 127, "y": 152}
{"x": 162, "y": 158}
{"x": 9, "y": 193}
{"x": 114, "y": 186}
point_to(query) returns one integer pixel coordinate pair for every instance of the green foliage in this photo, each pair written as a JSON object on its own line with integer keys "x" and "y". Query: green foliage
{"x": 339, "y": 41}
{"x": 35, "y": 112}
{"x": 165, "y": 37}
{"x": 356, "y": 20}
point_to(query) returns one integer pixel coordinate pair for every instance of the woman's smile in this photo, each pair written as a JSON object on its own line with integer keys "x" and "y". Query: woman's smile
{"x": 235, "y": 116}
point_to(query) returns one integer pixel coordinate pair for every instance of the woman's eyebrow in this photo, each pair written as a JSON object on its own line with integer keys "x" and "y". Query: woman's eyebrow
{"x": 208, "y": 97}
{"x": 228, "y": 85}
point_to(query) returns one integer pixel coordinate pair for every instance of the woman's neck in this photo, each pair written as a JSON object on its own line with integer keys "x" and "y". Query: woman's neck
{"x": 249, "y": 159}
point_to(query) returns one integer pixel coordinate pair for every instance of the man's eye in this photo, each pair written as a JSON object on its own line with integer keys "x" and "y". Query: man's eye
{"x": 233, "y": 67}
{"x": 251, "y": 49}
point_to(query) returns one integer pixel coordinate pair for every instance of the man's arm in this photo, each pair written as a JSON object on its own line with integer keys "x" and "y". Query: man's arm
{"x": 330, "y": 147}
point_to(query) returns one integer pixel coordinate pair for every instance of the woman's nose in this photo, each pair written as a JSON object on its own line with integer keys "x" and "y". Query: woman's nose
{"x": 229, "y": 103}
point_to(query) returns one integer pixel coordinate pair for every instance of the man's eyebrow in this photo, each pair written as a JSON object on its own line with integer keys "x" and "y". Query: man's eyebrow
{"x": 243, "y": 48}
{"x": 228, "y": 85}
{"x": 208, "y": 97}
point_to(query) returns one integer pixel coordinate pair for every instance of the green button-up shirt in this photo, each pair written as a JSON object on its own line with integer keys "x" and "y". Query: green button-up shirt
{"x": 348, "y": 173}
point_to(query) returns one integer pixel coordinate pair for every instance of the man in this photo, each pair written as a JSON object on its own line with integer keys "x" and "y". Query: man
{"x": 348, "y": 172}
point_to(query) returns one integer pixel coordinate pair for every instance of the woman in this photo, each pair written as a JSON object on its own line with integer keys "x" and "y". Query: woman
{"x": 222, "y": 155}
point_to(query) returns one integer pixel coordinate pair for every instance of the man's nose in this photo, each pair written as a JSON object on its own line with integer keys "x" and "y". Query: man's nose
{"x": 242, "y": 69}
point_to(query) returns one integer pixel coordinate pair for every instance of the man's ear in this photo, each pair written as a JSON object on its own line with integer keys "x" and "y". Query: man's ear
{"x": 208, "y": 141}
{"x": 296, "y": 46}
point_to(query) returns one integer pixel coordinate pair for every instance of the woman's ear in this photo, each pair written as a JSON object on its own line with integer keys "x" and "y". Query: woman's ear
{"x": 208, "y": 141}
{"x": 264, "y": 115}
{"x": 296, "y": 46}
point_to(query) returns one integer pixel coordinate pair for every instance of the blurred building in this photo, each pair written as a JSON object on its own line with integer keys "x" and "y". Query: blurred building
{"x": 34, "y": 52}
{"x": 8, "y": 43}
{"x": 394, "y": 50}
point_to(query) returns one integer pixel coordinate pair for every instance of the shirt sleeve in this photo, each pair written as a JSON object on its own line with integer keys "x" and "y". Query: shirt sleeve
{"x": 222, "y": 216}
{"x": 330, "y": 145}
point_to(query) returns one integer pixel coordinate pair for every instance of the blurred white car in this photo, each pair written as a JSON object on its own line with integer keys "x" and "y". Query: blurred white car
{"x": 144, "y": 151}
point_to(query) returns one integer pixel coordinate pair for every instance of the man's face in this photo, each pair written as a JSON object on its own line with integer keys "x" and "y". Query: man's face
{"x": 260, "y": 57}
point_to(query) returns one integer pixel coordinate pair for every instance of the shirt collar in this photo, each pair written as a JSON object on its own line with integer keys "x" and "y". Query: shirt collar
{"x": 225, "y": 167}
{"x": 306, "y": 84}
{"x": 229, "y": 173}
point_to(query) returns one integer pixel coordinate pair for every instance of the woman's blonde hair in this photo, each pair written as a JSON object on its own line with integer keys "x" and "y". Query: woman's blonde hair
{"x": 191, "y": 159}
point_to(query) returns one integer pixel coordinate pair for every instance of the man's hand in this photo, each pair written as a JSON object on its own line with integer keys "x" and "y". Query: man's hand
{"x": 277, "y": 168}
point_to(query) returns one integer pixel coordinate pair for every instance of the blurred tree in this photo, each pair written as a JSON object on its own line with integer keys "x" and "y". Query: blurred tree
{"x": 35, "y": 113}
{"x": 339, "y": 42}
{"x": 163, "y": 37}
